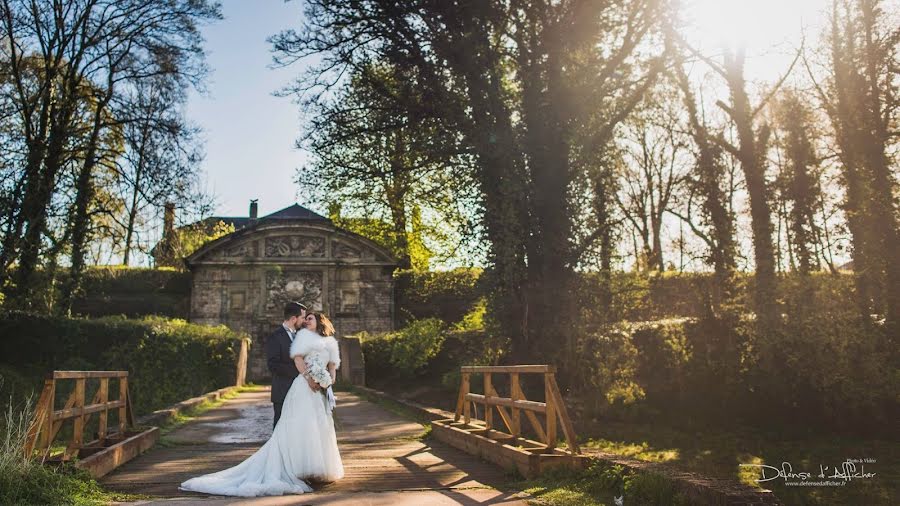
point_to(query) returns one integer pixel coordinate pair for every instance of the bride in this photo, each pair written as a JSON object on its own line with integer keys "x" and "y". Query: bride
{"x": 303, "y": 444}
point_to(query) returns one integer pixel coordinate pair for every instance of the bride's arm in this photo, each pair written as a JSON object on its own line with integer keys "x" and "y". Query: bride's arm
{"x": 300, "y": 362}
{"x": 301, "y": 366}
{"x": 333, "y": 370}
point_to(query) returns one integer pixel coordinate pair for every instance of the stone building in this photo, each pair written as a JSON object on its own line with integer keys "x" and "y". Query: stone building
{"x": 243, "y": 279}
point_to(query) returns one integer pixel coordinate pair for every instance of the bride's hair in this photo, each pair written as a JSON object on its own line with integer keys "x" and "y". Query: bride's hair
{"x": 324, "y": 327}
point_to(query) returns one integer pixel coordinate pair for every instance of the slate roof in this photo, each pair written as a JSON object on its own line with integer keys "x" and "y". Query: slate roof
{"x": 293, "y": 212}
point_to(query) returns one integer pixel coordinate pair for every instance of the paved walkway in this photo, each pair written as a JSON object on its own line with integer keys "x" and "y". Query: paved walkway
{"x": 385, "y": 462}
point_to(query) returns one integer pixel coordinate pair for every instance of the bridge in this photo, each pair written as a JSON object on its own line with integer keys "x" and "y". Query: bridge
{"x": 386, "y": 460}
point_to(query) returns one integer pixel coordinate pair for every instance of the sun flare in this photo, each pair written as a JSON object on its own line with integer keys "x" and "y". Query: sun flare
{"x": 769, "y": 30}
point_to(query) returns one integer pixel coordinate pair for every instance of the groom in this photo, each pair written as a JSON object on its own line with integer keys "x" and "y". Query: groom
{"x": 278, "y": 354}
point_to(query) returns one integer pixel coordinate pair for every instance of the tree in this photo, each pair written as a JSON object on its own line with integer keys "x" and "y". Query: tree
{"x": 532, "y": 98}
{"x": 376, "y": 155}
{"x": 161, "y": 155}
{"x": 651, "y": 175}
{"x": 67, "y": 62}
{"x": 799, "y": 180}
{"x": 859, "y": 96}
{"x": 716, "y": 223}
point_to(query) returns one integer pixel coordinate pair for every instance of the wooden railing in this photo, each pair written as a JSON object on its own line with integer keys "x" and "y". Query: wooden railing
{"x": 48, "y": 421}
{"x": 510, "y": 408}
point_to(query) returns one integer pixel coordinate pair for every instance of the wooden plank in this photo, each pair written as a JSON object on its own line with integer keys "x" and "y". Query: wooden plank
{"x": 74, "y": 412}
{"x": 40, "y": 420}
{"x": 101, "y": 463}
{"x": 567, "y": 426}
{"x": 129, "y": 408}
{"x": 504, "y": 415}
{"x": 57, "y": 425}
{"x": 78, "y": 430}
{"x": 241, "y": 372}
{"x": 508, "y": 368}
{"x": 488, "y": 409}
{"x": 551, "y": 411}
{"x": 88, "y": 374}
{"x": 535, "y": 423}
{"x": 516, "y": 427}
{"x": 104, "y": 415}
{"x": 537, "y": 407}
{"x": 123, "y": 396}
{"x": 461, "y": 400}
{"x": 94, "y": 401}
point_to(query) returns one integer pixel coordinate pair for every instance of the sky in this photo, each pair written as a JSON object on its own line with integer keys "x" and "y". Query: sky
{"x": 249, "y": 133}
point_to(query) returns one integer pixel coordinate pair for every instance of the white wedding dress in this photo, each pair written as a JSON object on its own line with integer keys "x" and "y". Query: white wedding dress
{"x": 303, "y": 444}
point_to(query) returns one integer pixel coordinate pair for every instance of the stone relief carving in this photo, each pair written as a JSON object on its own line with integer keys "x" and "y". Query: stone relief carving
{"x": 244, "y": 249}
{"x": 295, "y": 246}
{"x": 341, "y": 250}
{"x": 302, "y": 286}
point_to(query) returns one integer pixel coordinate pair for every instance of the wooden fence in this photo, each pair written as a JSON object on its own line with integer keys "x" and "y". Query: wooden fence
{"x": 48, "y": 420}
{"x": 505, "y": 444}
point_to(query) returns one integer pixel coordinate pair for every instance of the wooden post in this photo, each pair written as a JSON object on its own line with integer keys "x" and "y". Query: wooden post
{"x": 241, "y": 377}
{"x": 104, "y": 398}
{"x": 515, "y": 390}
{"x": 567, "y": 427}
{"x": 535, "y": 423}
{"x": 41, "y": 424}
{"x": 550, "y": 399}
{"x": 488, "y": 409}
{"x": 123, "y": 410}
{"x": 78, "y": 429}
{"x": 461, "y": 400}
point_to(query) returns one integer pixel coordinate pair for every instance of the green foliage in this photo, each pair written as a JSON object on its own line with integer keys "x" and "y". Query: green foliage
{"x": 474, "y": 319}
{"x": 448, "y": 295}
{"x": 599, "y": 484}
{"x": 134, "y": 292}
{"x": 405, "y": 352}
{"x": 829, "y": 369}
{"x": 195, "y": 236}
{"x": 168, "y": 360}
{"x": 416, "y": 344}
{"x": 118, "y": 290}
{"x": 26, "y": 481}
{"x": 174, "y": 248}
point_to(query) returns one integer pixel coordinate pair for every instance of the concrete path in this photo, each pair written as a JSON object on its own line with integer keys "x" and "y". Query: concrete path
{"x": 385, "y": 461}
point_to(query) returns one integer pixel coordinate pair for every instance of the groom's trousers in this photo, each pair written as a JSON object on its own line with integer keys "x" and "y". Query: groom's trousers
{"x": 278, "y": 406}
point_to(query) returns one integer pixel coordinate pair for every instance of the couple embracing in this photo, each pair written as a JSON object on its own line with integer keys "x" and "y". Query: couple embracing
{"x": 303, "y": 357}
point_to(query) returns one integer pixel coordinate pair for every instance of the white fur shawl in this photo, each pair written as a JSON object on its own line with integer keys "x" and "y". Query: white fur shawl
{"x": 307, "y": 341}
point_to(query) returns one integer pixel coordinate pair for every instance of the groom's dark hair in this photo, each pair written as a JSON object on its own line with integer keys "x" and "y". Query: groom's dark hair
{"x": 293, "y": 309}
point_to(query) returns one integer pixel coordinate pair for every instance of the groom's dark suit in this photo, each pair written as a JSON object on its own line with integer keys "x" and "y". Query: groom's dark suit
{"x": 278, "y": 357}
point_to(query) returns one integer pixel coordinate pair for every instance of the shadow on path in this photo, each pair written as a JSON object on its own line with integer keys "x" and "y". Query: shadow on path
{"x": 385, "y": 461}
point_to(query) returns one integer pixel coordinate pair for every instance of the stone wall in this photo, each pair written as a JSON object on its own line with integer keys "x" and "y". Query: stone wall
{"x": 244, "y": 279}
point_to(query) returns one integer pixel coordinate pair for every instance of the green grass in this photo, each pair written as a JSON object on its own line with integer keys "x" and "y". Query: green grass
{"x": 719, "y": 454}
{"x": 26, "y": 481}
{"x": 598, "y": 486}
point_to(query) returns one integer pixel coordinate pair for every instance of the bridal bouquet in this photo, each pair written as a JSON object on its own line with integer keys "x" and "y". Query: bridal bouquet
{"x": 318, "y": 371}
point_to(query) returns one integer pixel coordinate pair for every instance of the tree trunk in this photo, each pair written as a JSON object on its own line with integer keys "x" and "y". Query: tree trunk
{"x": 711, "y": 172}
{"x": 501, "y": 174}
{"x": 81, "y": 218}
{"x": 751, "y": 154}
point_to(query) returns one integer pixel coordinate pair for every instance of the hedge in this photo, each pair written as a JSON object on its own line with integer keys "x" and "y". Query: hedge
{"x": 448, "y": 295}
{"x": 168, "y": 360}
